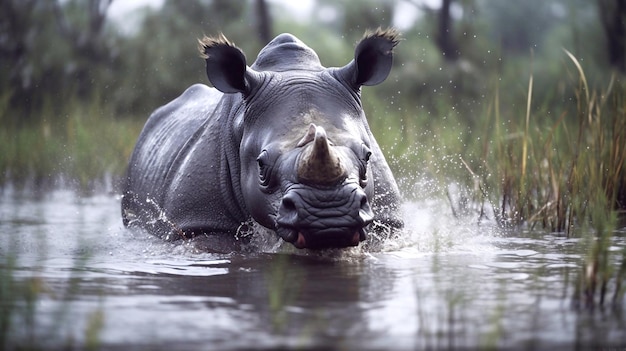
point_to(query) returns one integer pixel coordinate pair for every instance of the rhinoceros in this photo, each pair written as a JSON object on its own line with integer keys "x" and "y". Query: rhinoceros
{"x": 283, "y": 143}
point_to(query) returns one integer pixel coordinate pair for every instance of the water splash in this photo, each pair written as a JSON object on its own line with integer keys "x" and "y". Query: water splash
{"x": 432, "y": 225}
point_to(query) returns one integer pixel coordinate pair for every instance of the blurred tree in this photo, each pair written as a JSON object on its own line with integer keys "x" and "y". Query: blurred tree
{"x": 44, "y": 55}
{"x": 451, "y": 23}
{"x": 162, "y": 60}
{"x": 15, "y": 68}
{"x": 444, "y": 38}
{"x": 264, "y": 22}
{"x": 519, "y": 25}
{"x": 54, "y": 51}
{"x": 81, "y": 24}
{"x": 613, "y": 17}
{"x": 353, "y": 18}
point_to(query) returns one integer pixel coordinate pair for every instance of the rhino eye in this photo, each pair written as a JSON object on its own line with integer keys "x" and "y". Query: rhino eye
{"x": 366, "y": 153}
{"x": 264, "y": 168}
{"x": 367, "y": 156}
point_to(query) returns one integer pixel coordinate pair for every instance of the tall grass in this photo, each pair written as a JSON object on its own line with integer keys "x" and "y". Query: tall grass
{"x": 554, "y": 163}
{"x": 566, "y": 177}
{"x": 76, "y": 144}
{"x": 560, "y": 171}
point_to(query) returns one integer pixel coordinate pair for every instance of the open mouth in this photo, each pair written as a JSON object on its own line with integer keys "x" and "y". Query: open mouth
{"x": 323, "y": 239}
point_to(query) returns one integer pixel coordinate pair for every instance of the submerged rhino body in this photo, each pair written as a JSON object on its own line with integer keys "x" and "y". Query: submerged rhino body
{"x": 284, "y": 143}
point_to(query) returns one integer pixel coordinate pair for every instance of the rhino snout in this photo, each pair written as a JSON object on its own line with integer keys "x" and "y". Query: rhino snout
{"x": 323, "y": 218}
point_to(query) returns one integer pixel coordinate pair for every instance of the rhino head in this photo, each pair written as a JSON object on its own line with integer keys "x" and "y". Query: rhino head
{"x": 304, "y": 143}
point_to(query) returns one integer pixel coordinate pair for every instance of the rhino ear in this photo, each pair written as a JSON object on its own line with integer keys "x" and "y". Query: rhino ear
{"x": 226, "y": 65}
{"x": 373, "y": 58}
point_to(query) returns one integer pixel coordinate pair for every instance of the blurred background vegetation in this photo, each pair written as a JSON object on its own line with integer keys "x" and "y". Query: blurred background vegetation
{"x": 514, "y": 111}
{"x": 78, "y": 78}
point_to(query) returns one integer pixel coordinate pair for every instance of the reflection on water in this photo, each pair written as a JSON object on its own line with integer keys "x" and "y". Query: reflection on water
{"x": 448, "y": 284}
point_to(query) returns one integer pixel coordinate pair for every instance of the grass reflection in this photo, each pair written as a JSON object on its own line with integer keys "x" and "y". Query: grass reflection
{"x": 283, "y": 288}
{"x": 24, "y": 322}
{"x": 80, "y": 144}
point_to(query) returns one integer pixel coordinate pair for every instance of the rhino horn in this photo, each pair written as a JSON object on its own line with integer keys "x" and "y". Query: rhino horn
{"x": 319, "y": 162}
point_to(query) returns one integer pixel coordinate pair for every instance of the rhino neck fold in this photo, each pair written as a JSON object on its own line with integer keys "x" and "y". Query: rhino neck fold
{"x": 229, "y": 161}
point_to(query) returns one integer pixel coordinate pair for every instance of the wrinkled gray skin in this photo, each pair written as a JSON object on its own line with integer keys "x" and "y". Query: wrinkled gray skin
{"x": 284, "y": 142}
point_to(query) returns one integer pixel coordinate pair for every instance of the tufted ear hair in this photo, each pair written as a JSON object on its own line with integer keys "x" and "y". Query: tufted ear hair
{"x": 373, "y": 58}
{"x": 226, "y": 65}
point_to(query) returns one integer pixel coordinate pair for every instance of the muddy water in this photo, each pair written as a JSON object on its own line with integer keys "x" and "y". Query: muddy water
{"x": 448, "y": 284}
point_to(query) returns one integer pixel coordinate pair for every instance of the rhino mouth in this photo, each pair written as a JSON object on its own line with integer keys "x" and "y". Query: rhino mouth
{"x": 324, "y": 239}
{"x": 324, "y": 218}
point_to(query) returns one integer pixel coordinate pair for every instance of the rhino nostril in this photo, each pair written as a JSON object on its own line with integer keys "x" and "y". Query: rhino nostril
{"x": 288, "y": 204}
{"x": 288, "y": 212}
{"x": 363, "y": 201}
{"x": 365, "y": 211}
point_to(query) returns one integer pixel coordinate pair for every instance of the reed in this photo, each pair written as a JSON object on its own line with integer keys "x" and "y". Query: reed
{"x": 566, "y": 177}
{"x": 21, "y": 326}
{"x": 81, "y": 145}
{"x": 558, "y": 165}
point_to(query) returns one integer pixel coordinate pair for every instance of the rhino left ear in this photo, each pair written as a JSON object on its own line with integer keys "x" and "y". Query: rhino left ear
{"x": 226, "y": 65}
{"x": 373, "y": 58}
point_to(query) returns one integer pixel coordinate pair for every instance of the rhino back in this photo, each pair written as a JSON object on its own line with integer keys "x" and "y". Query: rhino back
{"x": 163, "y": 138}
{"x": 172, "y": 171}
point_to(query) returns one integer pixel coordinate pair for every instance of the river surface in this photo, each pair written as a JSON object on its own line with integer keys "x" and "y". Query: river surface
{"x": 73, "y": 277}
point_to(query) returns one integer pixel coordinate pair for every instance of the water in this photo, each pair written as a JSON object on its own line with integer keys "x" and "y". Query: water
{"x": 450, "y": 284}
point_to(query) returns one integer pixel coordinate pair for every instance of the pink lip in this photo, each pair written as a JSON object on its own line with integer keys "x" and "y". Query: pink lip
{"x": 356, "y": 238}
{"x": 300, "y": 243}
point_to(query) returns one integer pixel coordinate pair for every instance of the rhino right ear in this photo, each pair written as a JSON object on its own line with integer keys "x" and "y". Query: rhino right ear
{"x": 226, "y": 65}
{"x": 373, "y": 58}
